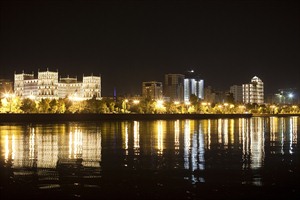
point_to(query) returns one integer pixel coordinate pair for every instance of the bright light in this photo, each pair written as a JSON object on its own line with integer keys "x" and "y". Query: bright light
{"x": 32, "y": 97}
{"x": 136, "y": 101}
{"x": 291, "y": 95}
{"x": 160, "y": 103}
{"x": 176, "y": 102}
{"x": 9, "y": 95}
{"x": 187, "y": 103}
{"x": 75, "y": 97}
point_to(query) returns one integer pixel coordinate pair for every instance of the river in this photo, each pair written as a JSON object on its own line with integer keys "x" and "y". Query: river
{"x": 243, "y": 158}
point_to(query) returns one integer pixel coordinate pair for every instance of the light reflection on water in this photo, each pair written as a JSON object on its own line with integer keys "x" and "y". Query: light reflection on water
{"x": 200, "y": 147}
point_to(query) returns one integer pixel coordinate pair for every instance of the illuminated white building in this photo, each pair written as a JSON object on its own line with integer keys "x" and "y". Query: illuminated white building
{"x": 254, "y": 91}
{"x": 193, "y": 85}
{"x": 20, "y": 82}
{"x": 69, "y": 87}
{"x": 47, "y": 86}
{"x": 91, "y": 86}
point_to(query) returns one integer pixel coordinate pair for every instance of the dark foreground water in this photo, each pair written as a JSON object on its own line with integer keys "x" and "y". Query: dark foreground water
{"x": 255, "y": 158}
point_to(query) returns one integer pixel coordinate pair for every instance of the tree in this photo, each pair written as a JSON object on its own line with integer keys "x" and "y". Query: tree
{"x": 44, "y": 106}
{"x": 29, "y": 106}
{"x": 53, "y": 106}
{"x": 78, "y": 107}
{"x": 61, "y": 107}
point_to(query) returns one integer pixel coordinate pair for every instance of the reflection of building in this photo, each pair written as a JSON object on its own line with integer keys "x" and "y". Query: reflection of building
{"x": 193, "y": 85}
{"x": 173, "y": 87}
{"x": 152, "y": 90}
{"x": 47, "y": 85}
{"x": 253, "y": 92}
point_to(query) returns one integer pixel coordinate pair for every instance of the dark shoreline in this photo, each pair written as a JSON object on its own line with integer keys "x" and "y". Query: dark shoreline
{"x": 11, "y": 117}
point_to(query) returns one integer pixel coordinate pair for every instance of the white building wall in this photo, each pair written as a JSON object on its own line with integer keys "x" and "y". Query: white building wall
{"x": 254, "y": 91}
{"x": 47, "y": 85}
{"x": 91, "y": 86}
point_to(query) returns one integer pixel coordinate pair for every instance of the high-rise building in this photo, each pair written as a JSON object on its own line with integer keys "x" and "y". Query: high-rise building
{"x": 152, "y": 90}
{"x": 173, "y": 87}
{"x": 193, "y": 85}
{"x": 253, "y": 92}
{"x": 237, "y": 91}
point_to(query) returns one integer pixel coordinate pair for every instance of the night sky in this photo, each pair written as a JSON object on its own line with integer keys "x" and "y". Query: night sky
{"x": 128, "y": 42}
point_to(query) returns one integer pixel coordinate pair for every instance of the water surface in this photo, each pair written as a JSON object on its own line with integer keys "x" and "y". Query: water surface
{"x": 160, "y": 159}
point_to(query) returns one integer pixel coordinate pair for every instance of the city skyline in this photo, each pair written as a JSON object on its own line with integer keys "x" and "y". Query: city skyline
{"x": 128, "y": 43}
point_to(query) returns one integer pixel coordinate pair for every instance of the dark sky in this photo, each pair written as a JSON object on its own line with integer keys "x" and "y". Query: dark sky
{"x": 128, "y": 42}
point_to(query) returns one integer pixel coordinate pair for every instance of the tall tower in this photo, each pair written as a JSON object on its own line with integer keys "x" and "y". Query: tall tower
{"x": 173, "y": 87}
{"x": 254, "y": 92}
{"x": 193, "y": 85}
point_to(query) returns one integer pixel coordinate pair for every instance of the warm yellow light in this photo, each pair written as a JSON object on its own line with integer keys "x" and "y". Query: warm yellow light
{"x": 159, "y": 103}
{"x": 75, "y": 97}
{"x": 136, "y": 101}
{"x": 176, "y": 102}
{"x": 32, "y": 97}
{"x": 187, "y": 103}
